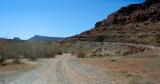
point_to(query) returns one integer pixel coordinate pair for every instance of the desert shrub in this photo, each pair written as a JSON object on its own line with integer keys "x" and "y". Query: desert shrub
{"x": 100, "y": 39}
{"x": 113, "y": 60}
{"x": 16, "y": 59}
{"x": 32, "y": 58}
{"x": 3, "y": 47}
{"x": 59, "y": 52}
{"x": 35, "y": 51}
{"x": 32, "y": 50}
{"x": 2, "y": 59}
{"x": 65, "y": 51}
{"x": 81, "y": 55}
{"x": 16, "y": 51}
{"x": 11, "y": 50}
{"x": 158, "y": 38}
{"x": 72, "y": 53}
{"x": 49, "y": 54}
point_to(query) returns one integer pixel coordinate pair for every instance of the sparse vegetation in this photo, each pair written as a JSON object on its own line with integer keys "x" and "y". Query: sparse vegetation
{"x": 3, "y": 57}
{"x": 100, "y": 39}
{"x": 158, "y": 38}
{"x": 81, "y": 55}
{"x": 113, "y": 60}
{"x": 123, "y": 48}
{"x": 16, "y": 50}
{"x": 59, "y": 52}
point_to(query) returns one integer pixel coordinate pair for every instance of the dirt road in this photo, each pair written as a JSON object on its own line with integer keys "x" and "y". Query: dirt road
{"x": 61, "y": 70}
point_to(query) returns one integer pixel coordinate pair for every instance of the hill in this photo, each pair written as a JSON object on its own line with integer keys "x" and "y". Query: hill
{"x": 136, "y": 23}
{"x": 45, "y": 38}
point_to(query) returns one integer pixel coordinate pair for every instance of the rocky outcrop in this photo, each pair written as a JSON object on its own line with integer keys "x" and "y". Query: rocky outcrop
{"x": 132, "y": 13}
{"x": 150, "y": 2}
{"x": 135, "y": 13}
{"x": 136, "y": 23}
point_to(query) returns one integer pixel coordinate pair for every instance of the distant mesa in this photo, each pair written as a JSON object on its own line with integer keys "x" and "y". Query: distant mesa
{"x": 16, "y": 39}
{"x": 45, "y": 38}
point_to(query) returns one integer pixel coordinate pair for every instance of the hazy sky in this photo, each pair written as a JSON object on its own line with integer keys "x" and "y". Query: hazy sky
{"x": 62, "y": 18}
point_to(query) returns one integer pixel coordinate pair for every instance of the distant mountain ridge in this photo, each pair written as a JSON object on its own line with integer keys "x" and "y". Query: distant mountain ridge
{"x": 45, "y": 38}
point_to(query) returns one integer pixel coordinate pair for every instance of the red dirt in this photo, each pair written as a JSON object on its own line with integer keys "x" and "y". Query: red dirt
{"x": 145, "y": 67}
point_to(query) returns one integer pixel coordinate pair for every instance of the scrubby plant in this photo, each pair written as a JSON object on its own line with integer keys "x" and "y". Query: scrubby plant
{"x": 15, "y": 51}
{"x": 49, "y": 54}
{"x": 158, "y": 38}
{"x": 81, "y": 55}
{"x": 36, "y": 50}
{"x": 100, "y": 39}
{"x": 72, "y": 53}
{"x": 59, "y": 52}
{"x": 3, "y": 45}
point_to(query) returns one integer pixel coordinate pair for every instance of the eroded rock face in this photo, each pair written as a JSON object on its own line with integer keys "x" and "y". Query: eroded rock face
{"x": 136, "y": 23}
{"x": 150, "y": 2}
{"x": 133, "y": 13}
{"x": 125, "y": 14}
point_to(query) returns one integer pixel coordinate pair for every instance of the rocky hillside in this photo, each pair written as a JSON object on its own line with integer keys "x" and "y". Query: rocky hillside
{"x": 136, "y": 23}
{"x": 45, "y": 38}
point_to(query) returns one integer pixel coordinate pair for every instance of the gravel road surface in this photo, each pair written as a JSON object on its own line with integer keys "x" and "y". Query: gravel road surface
{"x": 61, "y": 70}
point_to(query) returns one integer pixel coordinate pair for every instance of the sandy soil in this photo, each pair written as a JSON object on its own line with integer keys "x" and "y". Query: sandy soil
{"x": 130, "y": 70}
{"x": 13, "y": 68}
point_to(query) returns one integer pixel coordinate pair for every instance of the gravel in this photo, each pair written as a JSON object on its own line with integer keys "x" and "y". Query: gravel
{"x": 61, "y": 70}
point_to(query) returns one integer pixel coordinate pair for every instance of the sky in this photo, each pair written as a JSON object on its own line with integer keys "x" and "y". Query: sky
{"x": 56, "y": 18}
